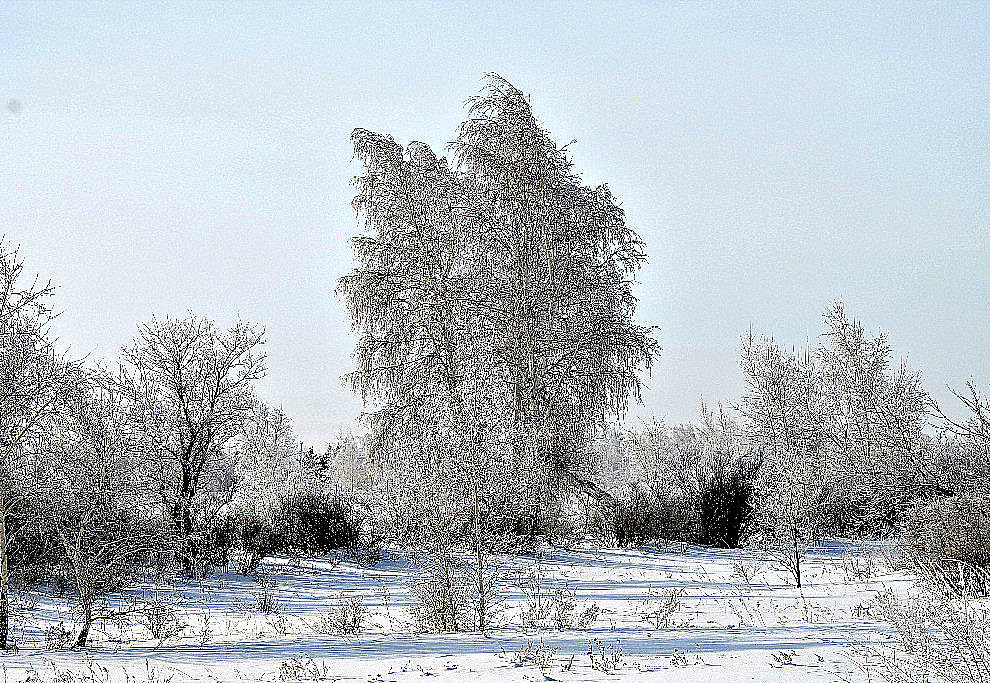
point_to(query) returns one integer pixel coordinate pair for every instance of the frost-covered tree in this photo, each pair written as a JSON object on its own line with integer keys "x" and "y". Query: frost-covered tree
{"x": 870, "y": 415}
{"x": 30, "y": 382}
{"x": 190, "y": 388}
{"x": 557, "y": 263}
{"x": 780, "y": 387}
{"x": 265, "y": 454}
{"x": 494, "y": 310}
{"x": 493, "y": 304}
{"x": 945, "y": 531}
{"x": 842, "y": 430}
{"x": 266, "y": 451}
{"x": 102, "y": 513}
{"x": 965, "y": 467}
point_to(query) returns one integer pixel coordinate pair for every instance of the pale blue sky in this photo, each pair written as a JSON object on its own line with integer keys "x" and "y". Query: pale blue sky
{"x": 197, "y": 156}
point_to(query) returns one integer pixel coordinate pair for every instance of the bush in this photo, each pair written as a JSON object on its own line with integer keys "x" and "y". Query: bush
{"x": 639, "y": 516}
{"x": 263, "y": 599}
{"x": 948, "y": 536}
{"x": 722, "y": 501}
{"x": 940, "y": 636}
{"x": 550, "y": 604}
{"x": 443, "y": 593}
{"x": 345, "y": 618}
{"x": 258, "y": 536}
{"x": 692, "y": 484}
{"x": 217, "y": 541}
{"x": 58, "y": 637}
{"x": 540, "y": 655}
{"x": 717, "y": 510}
{"x": 162, "y": 619}
{"x": 635, "y": 520}
{"x": 303, "y": 668}
{"x": 30, "y": 553}
{"x": 307, "y": 522}
{"x": 525, "y": 530}
{"x": 316, "y": 523}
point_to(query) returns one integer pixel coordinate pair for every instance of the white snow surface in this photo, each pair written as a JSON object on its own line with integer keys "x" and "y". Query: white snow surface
{"x": 724, "y": 630}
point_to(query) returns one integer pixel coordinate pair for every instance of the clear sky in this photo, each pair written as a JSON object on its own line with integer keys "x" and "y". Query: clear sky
{"x": 160, "y": 159}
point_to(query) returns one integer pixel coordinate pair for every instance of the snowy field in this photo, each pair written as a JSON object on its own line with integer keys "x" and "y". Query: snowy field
{"x": 675, "y": 614}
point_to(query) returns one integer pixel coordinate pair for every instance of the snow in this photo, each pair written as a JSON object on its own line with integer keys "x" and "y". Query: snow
{"x": 725, "y": 629}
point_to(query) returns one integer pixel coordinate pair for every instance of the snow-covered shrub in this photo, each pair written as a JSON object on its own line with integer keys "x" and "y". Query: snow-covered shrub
{"x": 263, "y": 598}
{"x": 691, "y": 483}
{"x": 841, "y": 427}
{"x": 303, "y": 668}
{"x": 746, "y": 572}
{"x": 549, "y": 604}
{"x": 949, "y": 537}
{"x": 455, "y": 591}
{"x": 30, "y": 552}
{"x": 588, "y": 616}
{"x": 556, "y": 608}
{"x": 524, "y": 528}
{"x": 304, "y": 521}
{"x": 563, "y": 607}
{"x": 859, "y": 566}
{"x": 204, "y": 630}
{"x": 161, "y": 618}
{"x": 29, "y": 561}
{"x": 344, "y": 618}
{"x": 216, "y": 541}
{"x": 605, "y": 657}
{"x": 659, "y": 607}
{"x": 58, "y": 637}
{"x": 102, "y": 521}
{"x": 92, "y": 672}
{"x": 538, "y": 654}
{"x": 941, "y": 636}
{"x": 442, "y": 591}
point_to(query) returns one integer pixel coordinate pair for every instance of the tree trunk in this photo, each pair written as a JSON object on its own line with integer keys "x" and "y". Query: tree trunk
{"x": 448, "y": 580}
{"x": 482, "y": 606}
{"x": 4, "y": 581}
{"x": 797, "y": 559}
{"x": 4, "y": 618}
{"x": 182, "y": 519}
{"x": 87, "y": 623}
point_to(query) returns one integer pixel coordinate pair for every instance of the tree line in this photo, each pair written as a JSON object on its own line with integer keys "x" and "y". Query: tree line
{"x": 498, "y": 348}
{"x": 164, "y": 463}
{"x": 497, "y": 351}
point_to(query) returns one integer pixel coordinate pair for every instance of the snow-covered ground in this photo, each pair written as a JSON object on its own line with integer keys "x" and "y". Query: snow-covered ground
{"x": 735, "y": 617}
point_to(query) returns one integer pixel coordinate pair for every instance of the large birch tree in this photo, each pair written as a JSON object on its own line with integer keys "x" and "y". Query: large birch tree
{"x": 492, "y": 299}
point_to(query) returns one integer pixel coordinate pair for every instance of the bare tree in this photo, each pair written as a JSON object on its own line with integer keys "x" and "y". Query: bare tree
{"x": 774, "y": 408}
{"x": 842, "y": 430}
{"x": 190, "y": 390}
{"x": 102, "y": 512}
{"x": 30, "y": 374}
